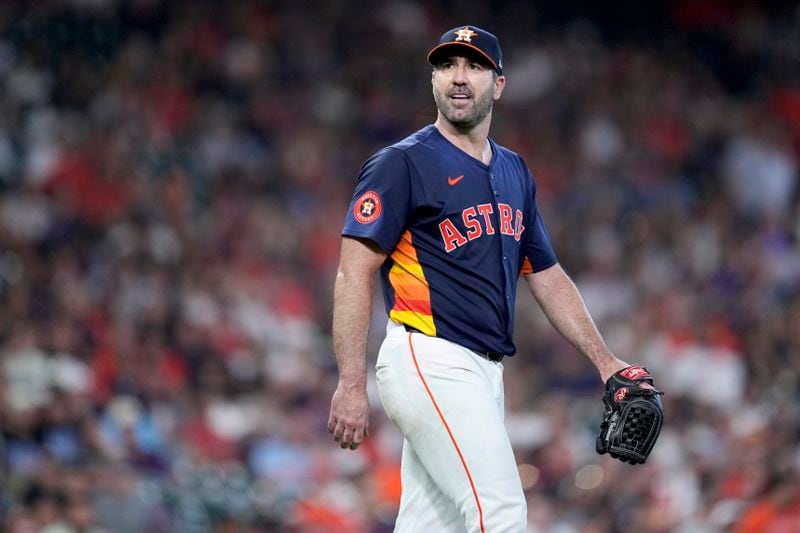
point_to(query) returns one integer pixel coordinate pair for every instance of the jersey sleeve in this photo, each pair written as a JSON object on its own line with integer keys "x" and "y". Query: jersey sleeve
{"x": 538, "y": 252}
{"x": 381, "y": 201}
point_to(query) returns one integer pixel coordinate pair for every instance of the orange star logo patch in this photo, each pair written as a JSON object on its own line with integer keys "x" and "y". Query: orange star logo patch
{"x": 367, "y": 207}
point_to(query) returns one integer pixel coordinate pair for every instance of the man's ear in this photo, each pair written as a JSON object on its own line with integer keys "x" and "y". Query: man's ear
{"x": 499, "y": 85}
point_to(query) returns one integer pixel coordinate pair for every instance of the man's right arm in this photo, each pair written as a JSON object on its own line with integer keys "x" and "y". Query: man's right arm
{"x": 352, "y": 310}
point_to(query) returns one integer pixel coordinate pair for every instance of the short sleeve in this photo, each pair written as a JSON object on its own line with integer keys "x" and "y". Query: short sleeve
{"x": 382, "y": 200}
{"x": 538, "y": 252}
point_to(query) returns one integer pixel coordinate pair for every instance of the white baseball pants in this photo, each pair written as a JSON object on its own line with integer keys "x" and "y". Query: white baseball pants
{"x": 458, "y": 469}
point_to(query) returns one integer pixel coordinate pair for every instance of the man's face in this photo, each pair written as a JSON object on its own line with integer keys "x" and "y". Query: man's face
{"x": 465, "y": 90}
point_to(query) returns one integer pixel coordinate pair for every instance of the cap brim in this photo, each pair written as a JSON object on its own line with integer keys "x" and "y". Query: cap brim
{"x": 439, "y": 47}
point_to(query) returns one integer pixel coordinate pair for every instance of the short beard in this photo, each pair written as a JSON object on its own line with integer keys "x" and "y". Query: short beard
{"x": 481, "y": 108}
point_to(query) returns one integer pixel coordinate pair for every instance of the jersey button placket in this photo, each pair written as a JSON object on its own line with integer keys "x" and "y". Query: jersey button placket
{"x": 505, "y": 265}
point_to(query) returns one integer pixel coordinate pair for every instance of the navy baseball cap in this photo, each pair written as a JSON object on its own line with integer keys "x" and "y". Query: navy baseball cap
{"x": 481, "y": 41}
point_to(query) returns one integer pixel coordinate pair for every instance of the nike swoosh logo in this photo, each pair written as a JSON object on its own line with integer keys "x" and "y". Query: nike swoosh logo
{"x": 453, "y": 181}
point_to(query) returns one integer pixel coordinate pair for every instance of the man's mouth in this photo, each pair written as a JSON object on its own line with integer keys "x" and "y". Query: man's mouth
{"x": 460, "y": 96}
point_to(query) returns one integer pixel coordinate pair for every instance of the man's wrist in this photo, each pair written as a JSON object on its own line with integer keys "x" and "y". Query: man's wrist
{"x": 353, "y": 382}
{"x": 610, "y": 365}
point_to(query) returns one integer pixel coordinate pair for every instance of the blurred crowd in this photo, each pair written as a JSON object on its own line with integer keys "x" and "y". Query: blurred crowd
{"x": 173, "y": 180}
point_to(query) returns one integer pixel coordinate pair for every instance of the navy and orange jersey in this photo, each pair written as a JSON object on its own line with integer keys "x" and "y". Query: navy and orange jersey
{"x": 458, "y": 234}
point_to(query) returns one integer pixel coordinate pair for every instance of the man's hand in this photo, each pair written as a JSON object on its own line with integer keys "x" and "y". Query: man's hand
{"x": 349, "y": 418}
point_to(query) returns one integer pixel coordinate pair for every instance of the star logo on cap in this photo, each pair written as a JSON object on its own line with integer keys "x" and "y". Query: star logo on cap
{"x": 465, "y": 34}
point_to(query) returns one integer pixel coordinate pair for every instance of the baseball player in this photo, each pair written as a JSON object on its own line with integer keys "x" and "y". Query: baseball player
{"x": 449, "y": 217}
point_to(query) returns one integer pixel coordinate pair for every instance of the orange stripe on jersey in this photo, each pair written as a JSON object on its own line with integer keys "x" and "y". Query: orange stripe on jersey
{"x": 412, "y": 295}
{"x": 416, "y": 306}
{"x": 527, "y": 267}
{"x": 408, "y": 291}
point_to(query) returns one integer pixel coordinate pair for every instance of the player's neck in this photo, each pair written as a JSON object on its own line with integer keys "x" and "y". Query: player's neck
{"x": 474, "y": 142}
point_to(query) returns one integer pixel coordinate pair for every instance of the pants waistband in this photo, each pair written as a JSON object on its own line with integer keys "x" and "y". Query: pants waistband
{"x": 491, "y": 356}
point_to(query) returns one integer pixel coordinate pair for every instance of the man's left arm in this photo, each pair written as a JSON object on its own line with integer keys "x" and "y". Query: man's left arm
{"x": 634, "y": 414}
{"x": 563, "y": 305}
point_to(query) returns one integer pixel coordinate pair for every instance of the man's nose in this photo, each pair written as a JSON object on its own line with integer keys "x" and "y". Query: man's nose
{"x": 460, "y": 75}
